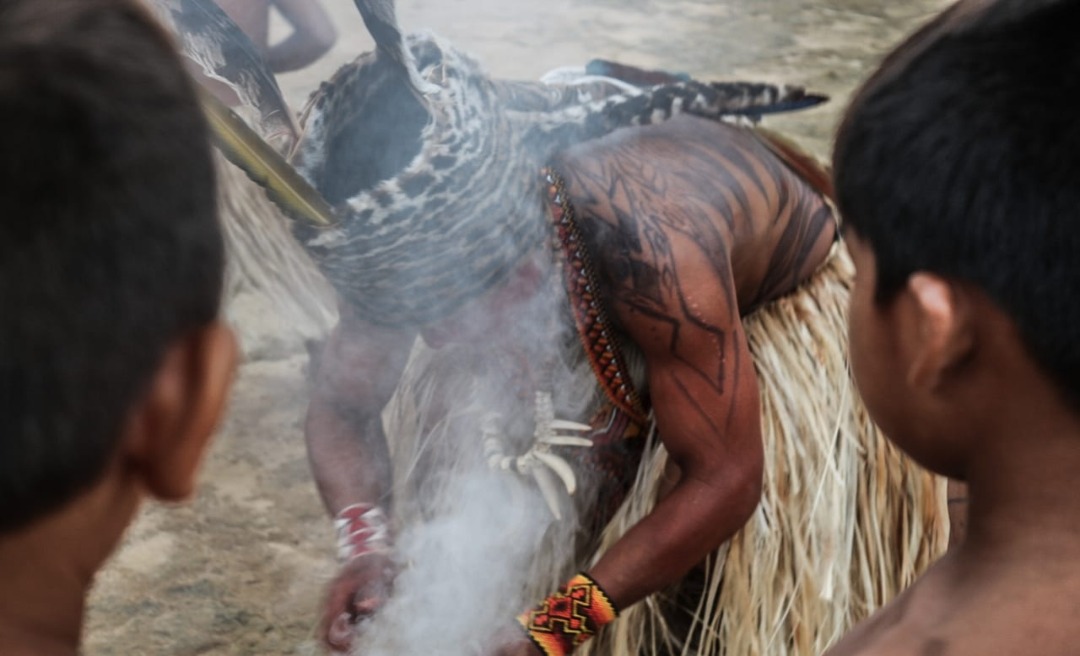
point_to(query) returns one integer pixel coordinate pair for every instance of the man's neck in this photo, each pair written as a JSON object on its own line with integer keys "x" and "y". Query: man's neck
{"x": 47, "y": 568}
{"x": 1023, "y": 508}
{"x": 41, "y": 603}
{"x": 16, "y": 644}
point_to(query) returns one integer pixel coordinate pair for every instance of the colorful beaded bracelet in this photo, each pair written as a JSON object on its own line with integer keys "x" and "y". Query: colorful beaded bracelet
{"x": 569, "y": 617}
{"x": 362, "y": 528}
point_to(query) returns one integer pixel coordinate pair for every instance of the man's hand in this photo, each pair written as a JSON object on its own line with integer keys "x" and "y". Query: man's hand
{"x": 360, "y": 588}
{"x": 522, "y": 647}
{"x": 512, "y": 641}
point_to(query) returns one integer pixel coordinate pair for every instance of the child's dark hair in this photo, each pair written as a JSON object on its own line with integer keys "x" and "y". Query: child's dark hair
{"x": 109, "y": 242}
{"x": 961, "y": 157}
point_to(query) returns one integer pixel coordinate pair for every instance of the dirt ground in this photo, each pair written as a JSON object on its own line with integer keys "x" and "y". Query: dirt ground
{"x": 240, "y": 570}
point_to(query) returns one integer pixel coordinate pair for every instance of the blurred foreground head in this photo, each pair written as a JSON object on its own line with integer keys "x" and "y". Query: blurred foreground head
{"x": 111, "y": 357}
{"x": 957, "y": 168}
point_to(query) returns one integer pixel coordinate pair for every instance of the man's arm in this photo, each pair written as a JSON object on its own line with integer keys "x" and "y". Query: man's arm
{"x": 665, "y": 261}
{"x": 354, "y": 378}
{"x": 357, "y": 373}
{"x": 312, "y": 37}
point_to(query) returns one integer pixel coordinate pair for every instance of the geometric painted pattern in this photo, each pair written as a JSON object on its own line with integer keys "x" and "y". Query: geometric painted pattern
{"x": 569, "y": 617}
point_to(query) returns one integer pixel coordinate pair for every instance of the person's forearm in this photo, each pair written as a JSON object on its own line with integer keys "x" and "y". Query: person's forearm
{"x": 312, "y": 37}
{"x": 349, "y": 457}
{"x": 685, "y": 527}
{"x": 354, "y": 375}
{"x": 295, "y": 52}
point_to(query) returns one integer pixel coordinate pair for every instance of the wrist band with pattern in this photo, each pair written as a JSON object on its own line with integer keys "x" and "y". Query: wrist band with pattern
{"x": 569, "y": 617}
{"x": 362, "y": 528}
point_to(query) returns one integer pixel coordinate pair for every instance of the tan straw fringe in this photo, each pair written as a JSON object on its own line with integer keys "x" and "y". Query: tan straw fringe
{"x": 264, "y": 257}
{"x": 846, "y": 520}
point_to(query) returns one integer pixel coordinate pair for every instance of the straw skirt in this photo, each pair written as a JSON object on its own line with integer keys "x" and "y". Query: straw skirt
{"x": 846, "y": 520}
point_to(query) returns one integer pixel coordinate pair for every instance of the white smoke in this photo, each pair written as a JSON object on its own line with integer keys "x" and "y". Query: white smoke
{"x": 463, "y": 569}
{"x": 478, "y": 545}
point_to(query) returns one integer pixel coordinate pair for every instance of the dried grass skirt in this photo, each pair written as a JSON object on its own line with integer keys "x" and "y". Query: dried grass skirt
{"x": 846, "y": 520}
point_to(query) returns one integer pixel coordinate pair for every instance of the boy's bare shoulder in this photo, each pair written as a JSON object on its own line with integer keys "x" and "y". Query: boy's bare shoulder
{"x": 891, "y": 631}
{"x": 941, "y": 615}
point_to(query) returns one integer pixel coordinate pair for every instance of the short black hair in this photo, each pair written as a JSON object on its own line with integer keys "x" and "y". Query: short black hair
{"x": 961, "y": 157}
{"x": 109, "y": 243}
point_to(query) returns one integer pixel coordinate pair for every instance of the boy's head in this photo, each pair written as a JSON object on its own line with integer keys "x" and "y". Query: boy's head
{"x": 958, "y": 174}
{"x": 111, "y": 356}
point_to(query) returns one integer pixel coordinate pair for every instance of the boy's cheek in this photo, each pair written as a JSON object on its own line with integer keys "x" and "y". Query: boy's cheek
{"x": 871, "y": 365}
{"x": 868, "y": 376}
{"x": 896, "y": 411}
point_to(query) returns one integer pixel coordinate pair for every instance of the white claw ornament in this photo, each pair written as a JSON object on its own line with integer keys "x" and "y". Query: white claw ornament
{"x": 545, "y": 467}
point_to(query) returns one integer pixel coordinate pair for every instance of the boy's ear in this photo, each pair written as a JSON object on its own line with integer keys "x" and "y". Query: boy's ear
{"x": 169, "y": 430}
{"x": 939, "y": 334}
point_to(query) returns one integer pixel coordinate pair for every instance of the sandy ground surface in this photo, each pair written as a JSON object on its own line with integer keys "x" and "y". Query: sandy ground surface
{"x": 240, "y": 570}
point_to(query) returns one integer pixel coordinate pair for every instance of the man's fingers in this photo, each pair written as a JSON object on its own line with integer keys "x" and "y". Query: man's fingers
{"x": 361, "y": 588}
{"x": 366, "y": 606}
{"x": 339, "y": 635}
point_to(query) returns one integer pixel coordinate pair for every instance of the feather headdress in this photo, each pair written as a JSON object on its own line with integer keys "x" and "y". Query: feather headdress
{"x": 432, "y": 167}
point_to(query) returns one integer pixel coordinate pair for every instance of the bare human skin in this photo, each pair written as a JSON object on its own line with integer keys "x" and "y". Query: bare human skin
{"x": 1010, "y": 586}
{"x": 312, "y": 37}
{"x": 958, "y": 512}
{"x": 48, "y": 567}
{"x": 694, "y": 223}
{"x": 946, "y": 373}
